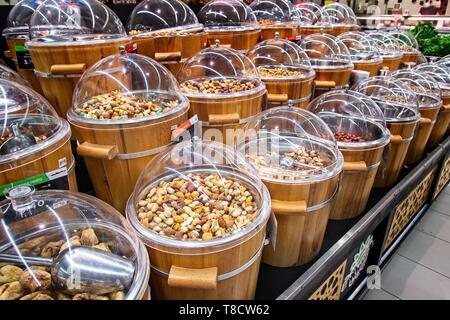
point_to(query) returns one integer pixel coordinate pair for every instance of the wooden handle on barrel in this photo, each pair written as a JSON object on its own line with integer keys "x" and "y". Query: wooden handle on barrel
{"x": 282, "y": 97}
{"x": 424, "y": 121}
{"x": 396, "y": 138}
{"x": 324, "y": 84}
{"x": 193, "y": 278}
{"x": 63, "y": 69}
{"x": 7, "y": 54}
{"x": 98, "y": 151}
{"x": 168, "y": 56}
{"x": 446, "y": 107}
{"x": 222, "y": 45}
{"x": 288, "y": 207}
{"x": 223, "y": 118}
{"x": 355, "y": 166}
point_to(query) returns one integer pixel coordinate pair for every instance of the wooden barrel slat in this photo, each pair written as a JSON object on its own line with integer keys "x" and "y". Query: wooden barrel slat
{"x": 242, "y": 41}
{"x": 372, "y": 67}
{"x": 268, "y": 33}
{"x": 294, "y": 90}
{"x": 392, "y": 63}
{"x": 442, "y": 124}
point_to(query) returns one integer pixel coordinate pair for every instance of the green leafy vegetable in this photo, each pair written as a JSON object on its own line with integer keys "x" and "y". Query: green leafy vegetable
{"x": 430, "y": 42}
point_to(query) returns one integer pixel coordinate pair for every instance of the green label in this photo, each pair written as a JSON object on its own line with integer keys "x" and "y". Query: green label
{"x": 42, "y": 178}
{"x": 21, "y": 49}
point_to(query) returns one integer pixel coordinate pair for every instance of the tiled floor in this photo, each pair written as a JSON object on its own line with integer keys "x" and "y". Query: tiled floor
{"x": 420, "y": 268}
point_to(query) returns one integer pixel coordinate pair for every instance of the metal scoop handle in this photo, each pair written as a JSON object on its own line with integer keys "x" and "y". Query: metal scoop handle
{"x": 18, "y": 260}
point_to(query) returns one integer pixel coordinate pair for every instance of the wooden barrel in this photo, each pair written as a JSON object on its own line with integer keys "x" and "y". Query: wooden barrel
{"x": 410, "y": 57}
{"x": 395, "y": 154}
{"x": 226, "y": 114}
{"x": 302, "y": 212}
{"x": 287, "y": 32}
{"x": 59, "y": 67}
{"x": 391, "y": 63}
{"x": 305, "y": 30}
{"x": 116, "y": 154}
{"x": 327, "y": 79}
{"x": 240, "y": 40}
{"x": 54, "y": 157}
{"x": 279, "y": 91}
{"x": 442, "y": 123}
{"x": 373, "y": 68}
{"x": 27, "y": 74}
{"x": 339, "y": 29}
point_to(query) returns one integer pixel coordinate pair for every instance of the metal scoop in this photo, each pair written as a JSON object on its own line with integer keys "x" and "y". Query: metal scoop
{"x": 83, "y": 269}
{"x": 17, "y": 142}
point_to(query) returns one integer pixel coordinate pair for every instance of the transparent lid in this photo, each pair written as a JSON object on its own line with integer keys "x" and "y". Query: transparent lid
{"x": 291, "y": 145}
{"x": 227, "y": 15}
{"x": 8, "y": 74}
{"x": 56, "y": 21}
{"x": 408, "y": 43}
{"x": 326, "y": 51}
{"x": 423, "y": 85}
{"x": 52, "y": 224}
{"x": 340, "y": 14}
{"x": 219, "y": 72}
{"x": 439, "y": 73}
{"x": 198, "y": 194}
{"x": 126, "y": 88}
{"x": 29, "y": 122}
{"x": 396, "y": 100}
{"x": 278, "y": 58}
{"x": 171, "y": 16}
{"x": 273, "y": 12}
{"x": 311, "y": 14}
{"x": 361, "y": 47}
{"x": 355, "y": 119}
{"x": 18, "y": 20}
{"x": 387, "y": 44}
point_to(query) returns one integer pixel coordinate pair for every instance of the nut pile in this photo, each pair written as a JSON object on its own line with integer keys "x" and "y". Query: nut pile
{"x": 161, "y": 33}
{"x": 265, "y": 22}
{"x": 408, "y": 49}
{"x": 115, "y": 105}
{"x": 278, "y": 72}
{"x": 20, "y": 284}
{"x": 197, "y": 207}
{"x": 348, "y": 137}
{"x": 217, "y": 86}
{"x": 9, "y": 135}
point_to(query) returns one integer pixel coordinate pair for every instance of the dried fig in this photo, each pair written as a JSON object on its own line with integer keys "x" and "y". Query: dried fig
{"x": 89, "y": 296}
{"x": 38, "y": 295}
{"x": 89, "y": 238}
{"x": 11, "y": 291}
{"x": 10, "y": 273}
{"x": 119, "y": 295}
{"x": 34, "y": 280}
{"x": 51, "y": 249}
{"x": 73, "y": 242}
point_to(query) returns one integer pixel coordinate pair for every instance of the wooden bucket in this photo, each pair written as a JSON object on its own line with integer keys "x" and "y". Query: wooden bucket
{"x": 410, "y": 58}
{"x": 302, "y": 212}
{"x": 401, "y": 135}
{"x": 173, "y": 50}
{"x": 240, "y": 40}
{"x": 391, "y": 63}
{"x": 226, "y": 113}
{"x": 52, "y": 158}
{"x": 373, "y": 68}
{"x": 59, "y": 67}
{"x": 442, "y": 123}
{"x": 304, "y": 31}
{"x": 339, "y": 29}
{"x": 279, "y": 91}
{"x": 27, "y": 74}
{"x": 328, "y": 79}
{"x": 287, "y": 32}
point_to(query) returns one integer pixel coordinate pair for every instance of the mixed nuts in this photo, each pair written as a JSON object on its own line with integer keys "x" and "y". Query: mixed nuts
{"x": 217, "y": 86}
{"x": 348, "y": 137}
{"x": 197, "y": 207}
{"x": 115, "y": 105}
{"x": 278, "y": 72}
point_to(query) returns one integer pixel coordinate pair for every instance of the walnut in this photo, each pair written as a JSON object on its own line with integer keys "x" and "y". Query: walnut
{"x": 73, "y": 242}
{"x": 38, "y": 295}
{"x": 10, "y": 273}
{"x": 103, "y": 246}
{"x": 119, "y": 295}
{"x": 88, "y": 238}
{"x": 11, "y": 291}
{"x": 89, "y": 296}
{"x": 29, "y": 283}
{"x": 51, "y": 249}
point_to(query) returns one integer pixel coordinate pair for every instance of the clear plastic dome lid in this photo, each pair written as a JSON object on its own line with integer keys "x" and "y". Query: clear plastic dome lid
{"x": 386, "y": 44}
{"x": 169, "y": 16}
{"x": 395, "y": 99}
{"x": 29, "y": 122}
{"x": 80, "y": 232}
{"x": 361, "y": 47}
{"x": 354, "y": 118}
{"x": 8, "y": 74}
{"x": 422, "y": 84}
{"x": 340, "y": 14}
{"x": 325, "y": 51}
{"x": 311, "y": 14}
{"x": 126, "y": 88}
{"x": 219, "y": 72}
{"x": 278, "y": 58}
{"x": 196, "y": 183}
{"x": 56, "y": 21}
{"x": 273, "y": 12}
{"x": 18, "y": 20}
{"x": 439, "y": 73}
{"x": 227, "y": 15}
{"x": 291, "y": 145}
{"x": 408, "y": 43}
